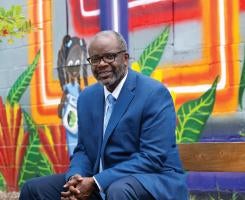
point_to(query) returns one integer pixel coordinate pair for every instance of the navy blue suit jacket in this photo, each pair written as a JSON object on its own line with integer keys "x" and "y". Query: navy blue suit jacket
{"x": 139, "y": 139}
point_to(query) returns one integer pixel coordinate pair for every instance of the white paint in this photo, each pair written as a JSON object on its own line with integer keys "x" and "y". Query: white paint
{"x": 131, "y": 4}
{"x": 222, "y": 81}
{"x": 116, "y": 16}
{"x": 45, "y": 100}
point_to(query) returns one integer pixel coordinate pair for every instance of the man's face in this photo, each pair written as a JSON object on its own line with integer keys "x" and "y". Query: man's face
{"x": 108, "y": 73}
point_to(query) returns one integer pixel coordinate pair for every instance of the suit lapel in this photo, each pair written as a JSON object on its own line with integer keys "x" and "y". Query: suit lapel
{"x": 123, "y": 101}
{"x": 98, "y": 117}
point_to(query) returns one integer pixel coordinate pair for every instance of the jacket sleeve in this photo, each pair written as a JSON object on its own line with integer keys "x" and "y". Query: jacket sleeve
{"x": 80, "y": 163}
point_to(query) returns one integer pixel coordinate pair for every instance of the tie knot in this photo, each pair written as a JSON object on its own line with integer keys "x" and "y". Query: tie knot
{"x": 111, "y": 99}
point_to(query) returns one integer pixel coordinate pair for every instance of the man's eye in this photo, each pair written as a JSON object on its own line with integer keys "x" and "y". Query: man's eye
{"x": 109, "y": 56}
{"x": 95, "y": 59}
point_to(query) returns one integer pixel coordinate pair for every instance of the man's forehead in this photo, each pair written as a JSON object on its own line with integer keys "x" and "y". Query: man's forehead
{"x": 103, "y": 37}
{"x": 103, "y": 41}
{"x": 105, "y": 34}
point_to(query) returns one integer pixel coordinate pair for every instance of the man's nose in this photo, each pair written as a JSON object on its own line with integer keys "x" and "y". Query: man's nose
{"x": 102, "y": 63}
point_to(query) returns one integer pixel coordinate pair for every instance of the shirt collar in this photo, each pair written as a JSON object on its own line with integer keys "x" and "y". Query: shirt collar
{"x": 118, "y": 89}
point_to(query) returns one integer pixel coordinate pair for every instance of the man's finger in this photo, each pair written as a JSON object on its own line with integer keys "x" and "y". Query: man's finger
{"x": 65, "y": 194}
{"x": 73, "y": 181}
{"x": 64, "y": 198}
{"x": 73, "y": 198}
{"x": 77, "y": 177}
{"x": 74, "y": 190}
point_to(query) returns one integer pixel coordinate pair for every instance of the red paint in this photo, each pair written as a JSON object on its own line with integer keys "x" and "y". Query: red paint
{"x": 242, "y": 5}
{"x": 140, "y": 16}
{"x": 83, "y": 25}
{"x": 12, "y": 145}
{"x": 57, "y": 151}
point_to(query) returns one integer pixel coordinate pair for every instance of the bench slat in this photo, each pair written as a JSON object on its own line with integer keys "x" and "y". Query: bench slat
{"x": 220, "y": 157}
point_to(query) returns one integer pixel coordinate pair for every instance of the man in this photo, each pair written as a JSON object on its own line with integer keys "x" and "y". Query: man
{"x": 128, "y": 154}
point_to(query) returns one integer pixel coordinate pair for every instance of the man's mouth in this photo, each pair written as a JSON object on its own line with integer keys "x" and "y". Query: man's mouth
{"x": 104, "y": 74}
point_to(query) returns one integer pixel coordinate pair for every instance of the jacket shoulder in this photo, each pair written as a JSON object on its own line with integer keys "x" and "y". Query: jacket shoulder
{"x": 148, "y": 83}
{"x": 90, "y": 91}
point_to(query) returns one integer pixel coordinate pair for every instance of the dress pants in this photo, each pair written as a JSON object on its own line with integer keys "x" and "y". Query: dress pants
{"x": 50, "y": 188}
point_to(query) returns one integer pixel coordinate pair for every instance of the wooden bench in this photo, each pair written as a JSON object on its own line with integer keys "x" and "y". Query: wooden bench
{"x": 219, "y": 157}
{"x": 218, "y": 166}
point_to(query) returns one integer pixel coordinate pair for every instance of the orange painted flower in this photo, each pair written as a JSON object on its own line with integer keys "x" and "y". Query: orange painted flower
{"x": 13, "y": 142}
{"x": 53, "y": 140}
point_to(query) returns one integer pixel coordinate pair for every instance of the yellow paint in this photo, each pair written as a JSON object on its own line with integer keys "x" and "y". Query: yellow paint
{"x": 157, "y": 74}
{"x": 135, "y": 66}
{"x": 48, "y": 135}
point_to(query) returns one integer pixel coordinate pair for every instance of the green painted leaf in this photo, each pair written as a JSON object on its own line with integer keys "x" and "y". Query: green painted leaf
{"x": 35, "y": 164}
{"x": 17, "y": 10}
{"x": 193, "y": 115}
{"x": 2, "y": 12}
{"x": 22, "y": 82}
{"x": 10, "y": 23}
{"x": 152, "y": 54}
{"x": 242, "y": 83}
{"x": 2, "y": 183}
{"x": 10, "y": 12}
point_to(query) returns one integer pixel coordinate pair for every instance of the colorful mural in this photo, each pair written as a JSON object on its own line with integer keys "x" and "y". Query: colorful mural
{"x": 190, "y": 79}
{"x": 195, "y": 47}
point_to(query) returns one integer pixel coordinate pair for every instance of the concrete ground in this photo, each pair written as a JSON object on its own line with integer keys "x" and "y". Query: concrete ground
{"x": 9, "y": 195}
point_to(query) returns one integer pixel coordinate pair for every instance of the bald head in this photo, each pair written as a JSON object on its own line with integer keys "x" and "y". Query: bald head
{"x": 122, "y": 45}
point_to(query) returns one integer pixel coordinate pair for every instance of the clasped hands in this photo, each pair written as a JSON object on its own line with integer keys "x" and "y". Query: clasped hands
{"x": 78, "y": 188}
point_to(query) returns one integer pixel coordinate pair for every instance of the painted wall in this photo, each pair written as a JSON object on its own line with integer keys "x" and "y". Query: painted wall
{"x": 185, "y": 44}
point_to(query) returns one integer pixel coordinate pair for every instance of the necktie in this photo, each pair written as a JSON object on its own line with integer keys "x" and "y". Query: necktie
{"x": 111, "y": 102}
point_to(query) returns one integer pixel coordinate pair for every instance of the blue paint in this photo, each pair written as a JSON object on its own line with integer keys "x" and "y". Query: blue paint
{"x": 107, "y": 17}
{"x": 216, "y": 181}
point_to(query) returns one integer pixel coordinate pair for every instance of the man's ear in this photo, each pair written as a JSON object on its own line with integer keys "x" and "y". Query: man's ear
{"x": 126, "y": 56}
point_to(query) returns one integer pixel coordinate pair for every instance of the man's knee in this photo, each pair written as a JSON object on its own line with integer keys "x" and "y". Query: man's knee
{"x": 120, "y": 190}
{"x": 27, "y": 189}
{"x": 46, "y": 187}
